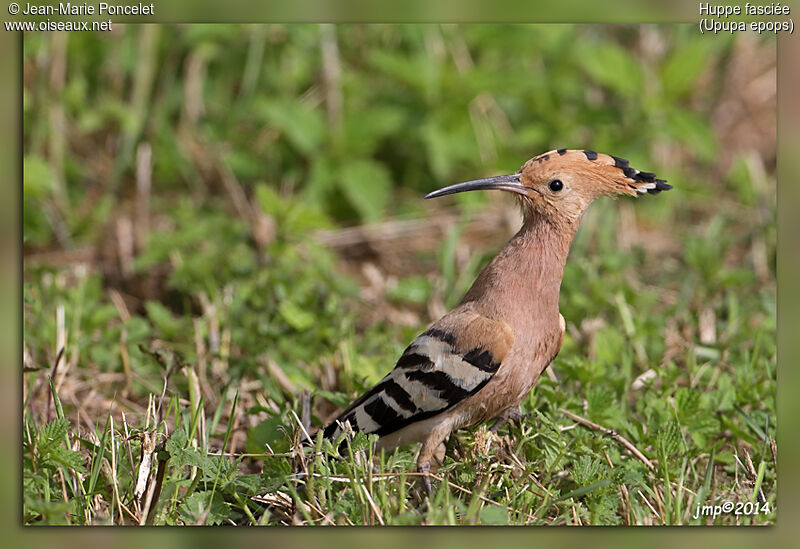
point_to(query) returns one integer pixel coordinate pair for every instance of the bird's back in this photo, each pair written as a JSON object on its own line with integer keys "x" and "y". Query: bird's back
{"x": 452, "y": 360}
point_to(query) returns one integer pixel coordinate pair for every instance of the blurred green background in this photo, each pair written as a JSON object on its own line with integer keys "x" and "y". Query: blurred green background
{"x": 249, "y": 196}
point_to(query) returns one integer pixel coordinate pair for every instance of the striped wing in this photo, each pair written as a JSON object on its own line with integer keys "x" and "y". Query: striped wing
{"x": 451, "y": 361}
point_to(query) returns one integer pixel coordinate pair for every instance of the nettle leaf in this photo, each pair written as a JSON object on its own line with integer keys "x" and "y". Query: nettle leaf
{"x": 38, "y": 177}
{"x": 367, "y": 186}
{"x": 269, "y": 200}
{"x": 274, "y": 474}
{"x": 272, "y": 431}
{"x": 364, "y": 130}
{"x": 295, "y": 316}
{"x": 585, "y": 470}
{"x": 215, "y": 467}
{"x": 247, "y": 484}
{"x": 180, "y": 453}
{"x": 692, "y": 130}
{"x": 609, "y": 344}
{"x": 686, "y": 402}
{"x": 177, "y": 440}
{"x": 703, "y": 427}
{"x": 69, "y": 458}
{"x": 613, "y": 67}
{"x": 668, "y": 439}
{"x": 600, "y": 400}
{"x": 162, "y": 318}
{"x": 629, "y": 475}
{"x": 362, "y": 441}
{"x": 684, "y": 65}
{"x": 725, "y": 395}
{"x": 276, "y": 467}
{"x": 494, "y": 514}
{"x": 303, "y": 127}
{"x": 202, "y": 508}
{"x": 414, "y": 289}
{"x": 52, "y": 434}
{"x": 340, "y": 400}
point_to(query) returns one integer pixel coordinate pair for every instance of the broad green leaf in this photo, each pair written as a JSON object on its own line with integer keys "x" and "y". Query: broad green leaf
{"x": 162, "y": 318}
{"x": 52, "y": 434}
{"x": 37, "y": 177}
{"x": 200, "y": 508}
{"x": 303, "y": 126}
{"x": 610, "y": 65}
{"x": 414, "y": 289}
{"x": 684, "y": 65}
{"x": 367, "y": 186}
{"x": 694, "y": 131}
{"x": 273, "y": 432}
{"x": 295, "y": 316}
{"x": 494, "y": 514}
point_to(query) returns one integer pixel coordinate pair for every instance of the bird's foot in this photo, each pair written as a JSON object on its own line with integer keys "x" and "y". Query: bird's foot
{"x": 513, "y": 414}
{"x": 425, "y": 469}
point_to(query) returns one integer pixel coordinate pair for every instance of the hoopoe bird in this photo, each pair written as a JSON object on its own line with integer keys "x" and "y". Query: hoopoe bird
{"x": 480, "y": 360}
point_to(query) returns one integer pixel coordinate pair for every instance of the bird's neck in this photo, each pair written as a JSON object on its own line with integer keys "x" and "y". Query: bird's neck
{"x": 524, "y": 278}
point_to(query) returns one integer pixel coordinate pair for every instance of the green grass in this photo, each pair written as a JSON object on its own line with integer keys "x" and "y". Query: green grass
{"x": 193, "y": 323}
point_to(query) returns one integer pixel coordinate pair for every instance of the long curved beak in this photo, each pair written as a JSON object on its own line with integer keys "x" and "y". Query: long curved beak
{"x": 509, "y": 183}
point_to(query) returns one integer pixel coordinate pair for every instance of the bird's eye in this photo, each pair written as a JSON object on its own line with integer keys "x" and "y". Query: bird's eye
{"x": 555, "y": 185}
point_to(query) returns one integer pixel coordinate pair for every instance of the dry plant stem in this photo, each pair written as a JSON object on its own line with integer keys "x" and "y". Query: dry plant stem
{"x": 372, "y": 505}
{"x": 148, "y": 445}
{"x": 144, "y": 173}
{"x": 647, "y": 502}
{"x": 773, "y": 446}
{"x": 162, "y": 468}
{"x": 114, "y": 468}
{"x": 53, "y": 377}
{"x": 622, "y": 440}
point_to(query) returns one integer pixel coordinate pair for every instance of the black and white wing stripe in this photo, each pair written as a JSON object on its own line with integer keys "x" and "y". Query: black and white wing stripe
{"x": 437, "y": 371}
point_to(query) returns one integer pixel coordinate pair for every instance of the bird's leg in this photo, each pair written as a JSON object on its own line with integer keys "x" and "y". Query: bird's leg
{"x": 441, "y": 450}
{"x": 425, "y": 469}
{"x": 432, "y": 453}
{"x": 514, "y": 414}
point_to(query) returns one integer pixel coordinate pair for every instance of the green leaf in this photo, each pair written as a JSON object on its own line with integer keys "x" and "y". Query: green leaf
{"x": 361, "y": 441}
{"x": 52, "y": 434}
{"x": 692, "y": 130}
{"x": 610, "y": 65}
{"x": 303, "y": 127}
{"x": 181, "y": 453}
{"x": 686, "y": 402}
{"x": 297, "y": 318}
{"x": 684, "y": 65}
{"x": 162, "y": 318}
{"x": 413, "y": 289}
{"x": 668, "y": 439}
{"x": 69, "y": 458}
{"x": 200, "y": 508}
{"x": 270, "y": 201}
{"x": 274, "y": 473}
{"x": 583, "y": 490}
{"x": 585, "y": 469}
{"x": 37, "y": 177}
{"x": 272, "y": 431}
{"x": 600, "y": 400}
{"x": 702, "y": 428}
{"x": 248, "y": 485}
{"x": 367, "y": 186}
{"x": 494, "y": 514}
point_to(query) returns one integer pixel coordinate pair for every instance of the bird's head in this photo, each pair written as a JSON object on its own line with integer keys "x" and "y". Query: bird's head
{"x": 559, "y": 185}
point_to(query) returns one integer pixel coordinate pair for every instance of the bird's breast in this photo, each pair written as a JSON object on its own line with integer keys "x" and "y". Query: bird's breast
{"x": 530, "y": 354}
